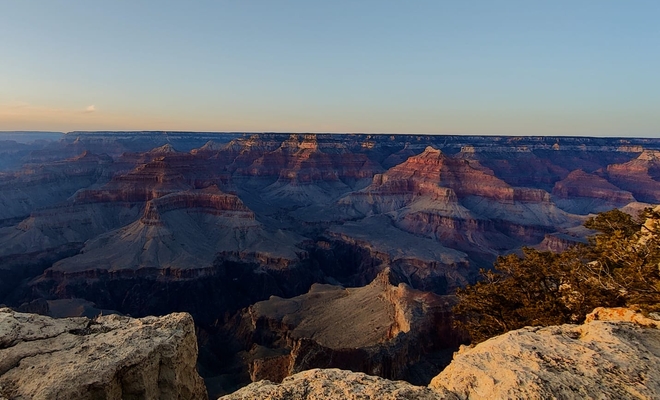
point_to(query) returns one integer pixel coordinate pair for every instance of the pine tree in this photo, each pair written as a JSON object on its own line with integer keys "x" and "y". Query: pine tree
{"x": 619, "y": 266}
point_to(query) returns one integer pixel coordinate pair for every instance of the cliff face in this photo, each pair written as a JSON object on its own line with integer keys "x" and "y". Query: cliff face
{"x": 380, "y": 329}
{"x": 302, "y": 171}
{"x": 615, "y": 354}
{"x": 458, "y": 202}
{"x": 639, "y": 176}
{"x": 581, "y": 184}
{"x": 110, "y": 357}
{"x": 422, "y": 263}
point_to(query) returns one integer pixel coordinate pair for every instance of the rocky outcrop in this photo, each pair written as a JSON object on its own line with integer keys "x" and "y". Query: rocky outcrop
{"x": 164, "y": 175}
{"x": 431, "y": 170}
{"x": 460, "y": 203}
{"x": 184, "y": 238}
{"x": 211, "y": 201}
{"x": 615, "y": 354}
{"x": 558, "y": 242}
{"x": 581, "y": 184}
{"x": 380, "y": 329}
{"x": 583, "y": 193}
{"x": 422, "y": 263}
{"x": 110, "y": 357}
{"x": 335, "y": 384}
{"x": 640, "y": 176}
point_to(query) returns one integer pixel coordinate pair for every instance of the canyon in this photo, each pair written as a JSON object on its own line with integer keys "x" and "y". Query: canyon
{"x": 294, "y": 252}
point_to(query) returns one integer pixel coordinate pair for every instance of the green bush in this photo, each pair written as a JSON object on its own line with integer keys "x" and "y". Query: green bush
{"x": 619, "y": 266}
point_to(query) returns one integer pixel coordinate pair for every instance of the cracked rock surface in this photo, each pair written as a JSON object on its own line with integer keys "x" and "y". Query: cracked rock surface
{"x": 111, "y": 357}
{"x": 615, "y": 354}
{"x": 322, "y": 384}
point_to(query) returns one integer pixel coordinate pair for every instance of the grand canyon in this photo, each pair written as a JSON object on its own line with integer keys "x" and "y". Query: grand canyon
{"x": 301, "y": 251}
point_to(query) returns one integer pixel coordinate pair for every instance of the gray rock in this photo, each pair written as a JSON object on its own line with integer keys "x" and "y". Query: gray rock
{"x": 111, "y": 357}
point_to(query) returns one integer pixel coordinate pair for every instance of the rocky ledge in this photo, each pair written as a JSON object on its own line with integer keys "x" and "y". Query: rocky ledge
{"x": 323, "y": 384}
{"x": 109, "y": 357}
{"x": 614, "y": 354}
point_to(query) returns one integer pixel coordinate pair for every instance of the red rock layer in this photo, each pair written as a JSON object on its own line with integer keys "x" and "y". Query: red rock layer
{"x": 640, "y": 176}
{"x": 164, "y": 175}
{"x": 431, "y": 169}
{"x": 581, "y": 184}
{"x": 210, "y": 201}
{"x": 299, "y": 160}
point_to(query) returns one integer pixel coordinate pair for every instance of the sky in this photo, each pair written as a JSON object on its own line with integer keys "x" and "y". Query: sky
{"x": 579, "y": 67}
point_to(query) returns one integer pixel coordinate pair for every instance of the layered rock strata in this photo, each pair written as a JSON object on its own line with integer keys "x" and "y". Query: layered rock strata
{"x": 640, "y": 176}
{"x": 380, "y": 329}
{"x": 421, "y": 262}
{"x": 584, "y": 193}
{"x": 42, "y": 185}
{"x": 459, "y": 203}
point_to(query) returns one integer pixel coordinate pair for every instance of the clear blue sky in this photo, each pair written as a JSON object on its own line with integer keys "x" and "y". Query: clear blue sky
{"x": 589, "y": 67}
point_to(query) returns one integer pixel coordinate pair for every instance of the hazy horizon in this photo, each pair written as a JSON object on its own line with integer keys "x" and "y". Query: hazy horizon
{"x": 509, "y": 68}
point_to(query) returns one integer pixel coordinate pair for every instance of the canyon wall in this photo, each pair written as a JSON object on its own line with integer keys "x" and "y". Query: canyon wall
{"x": 157, "y": 222}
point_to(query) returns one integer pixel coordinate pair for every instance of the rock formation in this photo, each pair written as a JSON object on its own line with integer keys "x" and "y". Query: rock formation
{"x": 379, "y": 329}
{"x": 614, "y": 354}
{"x": 421, "y": 262}
{"x": 154, "y": 222}
{"x": 459, "y": 203}
{"x": 42, "y": 185}
{"x": 110, "y": 357}
{"x": 300, "y": 172}
{"x": 335, "y": 384}
{"x": 606, "y": 357}
{"x": 640, "y": 176}
{"x": 584, "y": 193}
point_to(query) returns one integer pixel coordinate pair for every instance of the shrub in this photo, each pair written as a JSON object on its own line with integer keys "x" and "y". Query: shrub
{"x": 619, "y": 266}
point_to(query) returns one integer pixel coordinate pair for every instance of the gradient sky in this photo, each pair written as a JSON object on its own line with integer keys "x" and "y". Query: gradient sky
{"x": 589, "y": 67}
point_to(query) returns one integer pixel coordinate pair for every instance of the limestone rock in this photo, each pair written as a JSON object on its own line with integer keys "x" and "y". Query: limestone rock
{"x": 111, "y": 357}
{"x": 600, "y": 359}
{"x": 621, "y": 314}
{"x": 328, "y": 384}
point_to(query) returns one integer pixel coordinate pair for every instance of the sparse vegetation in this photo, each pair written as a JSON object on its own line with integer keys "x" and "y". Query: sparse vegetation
{"x": 619, "y": 266}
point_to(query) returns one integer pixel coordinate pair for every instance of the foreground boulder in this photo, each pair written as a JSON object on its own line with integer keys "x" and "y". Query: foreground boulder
{"x": 110, "y": 357}
{"x": 323, "y": 384}
{"x": 614, "y": 355}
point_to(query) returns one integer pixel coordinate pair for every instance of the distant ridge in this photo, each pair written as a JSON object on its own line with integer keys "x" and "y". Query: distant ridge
{"x": 30, "y": 136}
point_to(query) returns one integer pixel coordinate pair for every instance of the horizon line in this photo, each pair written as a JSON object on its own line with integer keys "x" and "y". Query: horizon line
{"x": 323, "y": 133}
